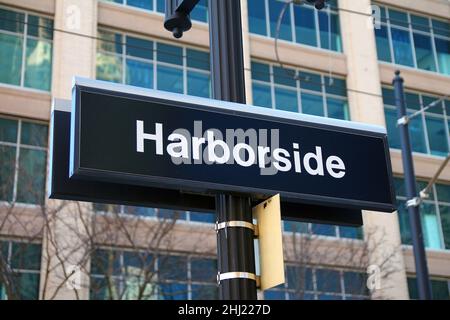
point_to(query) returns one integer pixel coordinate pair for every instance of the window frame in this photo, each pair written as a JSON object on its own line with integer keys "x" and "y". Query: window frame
{"x": 387, "y": 22}
{"x": 25, "y": 37}
{"x": 18, "y": 145}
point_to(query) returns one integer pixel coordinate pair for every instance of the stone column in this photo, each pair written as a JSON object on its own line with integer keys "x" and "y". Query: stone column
{"x": 66, "y": 236}
{"x": 247, "y": 56}
{"x": 382, "y": 230}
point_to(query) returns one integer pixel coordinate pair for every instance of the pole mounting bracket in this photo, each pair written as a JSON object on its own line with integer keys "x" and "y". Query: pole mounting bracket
{"x": 414, "y": 202}
{"x": 403, "y": 121}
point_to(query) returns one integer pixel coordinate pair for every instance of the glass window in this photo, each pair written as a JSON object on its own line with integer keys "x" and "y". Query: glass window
{"x": 22, "y": 262}
{"x": 305, "y": 25}
{"x": 197, "y": 59}
{"x": 170, "y": 79}
{"x": 139, "y": 73}
{"x": 310, "y": 81}
{"x": 323, "y": 229}
{"x": 202, "y": 217}
{"x": 330, "y": 37}
{"x": 172, "y": 267}
{"x": 174, "y": 291}
{"x": 200, "y": 12}
{"x": 392, "y": 129}
{"x": 296, "y": 227}
{"x": 441, "y": 28}
{"x": 274, "y": 295}
{"x": 405, "y": 226}
{"x": 424, "y": 52}
{"x": 410, "y": 32}
{"x": 31, "y": 186}
{"x": 444, "y": 212}
{"x": 350, "y": 232}
{"x": 437, "y": 136}
{"x": 439, "y": 289}
{"x": 261, "y": 95}
{"x": 140, "y": 48}
{"x": 383, "y": 47}
{"x": 420, "y": 23}
{"x": 285, "y": 31}
{"x": 299, "y": 278}
{"x": 109, "y": 42}
{"x": 301, "y": 23}
{"x": 257, "y": 17}
{"x": 443, "y": 192}
{"x": 106, "y": 262}
{"x": 355, "y": 283}
{"x": 443, "y": 55}
{"x": 109, "y": 67}
{"x": 203, "y": 270}
{"x": 328, "y": 280}
{"x": 284, "y": 76}
{"x": 401, "y": 43}
{"x": 312, "y": 104}
{"x": 8, "y": 130}
{"x": 337, "y": 109}
{"x": 36, "y": 64}
{"x": 12, "y": 21}
{"x": 286, "y": 99}
{"x": 204, "y": 292}
{"x": 398, "y": 18}
{"x": 170, "y": 54}
{"x": 198, "y": 84}
{"x": 40, "y": 27}
{"x": 11, "y": 47}
{"x": 34, "y": 134}
{"x": 171, "y": 214}
{"x": 29, "y": 174}
{"x": 430, "y": 226}
{"x": 416, "y": 132}
{"x": 260, "y": 71}
{"x": 144, "y": 4}
{"x": 7, "y": 168}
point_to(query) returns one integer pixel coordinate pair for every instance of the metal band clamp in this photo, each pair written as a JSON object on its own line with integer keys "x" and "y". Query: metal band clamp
{"x": 237, "y": 275}
{"x": 241, "y": 224}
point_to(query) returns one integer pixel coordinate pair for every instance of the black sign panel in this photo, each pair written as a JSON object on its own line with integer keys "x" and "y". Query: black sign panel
{"x": 61, "y": 187}
{"x": 125, "y": 135}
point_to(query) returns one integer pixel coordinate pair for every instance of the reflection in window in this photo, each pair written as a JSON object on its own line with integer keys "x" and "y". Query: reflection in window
{"x": 26, "y": 44}
{"x": 142, "y": 275}
{"x": 301, "y": 23}
{"x": 145, "y": 63}
{"x": 434, "y": 211}
{"x": 428, "y": 130}
{"x": 23, "y": 263}
{"x": 299, "y": 91}
{"x": 23, "y": 153}
{"x": 415, "y": 41}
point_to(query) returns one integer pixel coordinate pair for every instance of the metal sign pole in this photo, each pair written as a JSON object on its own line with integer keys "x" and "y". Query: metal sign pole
{"x": 413, "y": 202}
{"x": 235, "y": 248}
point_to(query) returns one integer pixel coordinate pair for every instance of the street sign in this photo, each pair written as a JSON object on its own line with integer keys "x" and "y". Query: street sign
{"x": 61, "y": 187}
{"x": 132, "y": 136}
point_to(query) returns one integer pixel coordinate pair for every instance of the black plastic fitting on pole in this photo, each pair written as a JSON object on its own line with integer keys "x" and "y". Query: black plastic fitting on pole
{"x": 178, "y": 18}
{"x": 235, "y": 247}
{"x": 413, "y": 202}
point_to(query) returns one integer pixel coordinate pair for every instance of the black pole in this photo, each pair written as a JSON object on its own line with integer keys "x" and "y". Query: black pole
{"x": 423, "y": 282}
{"x": 235, "y": 248}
